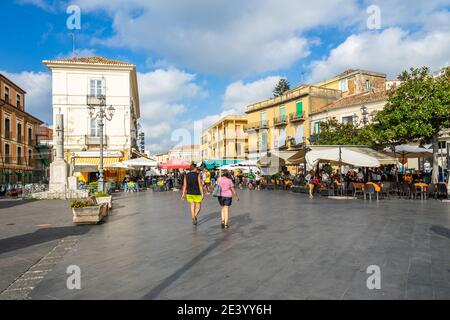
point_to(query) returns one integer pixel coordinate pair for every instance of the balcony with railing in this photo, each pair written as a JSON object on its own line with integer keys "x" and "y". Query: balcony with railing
{"x": 294, "y": 117}
{"x": 257, "y": 125}
{"x": 8, "y": 134}
{"x": 7, "y": 159}
{"x": 19, "y": 138}
{"x": 96, "y": 100}
{"x": 20, "y": 161}
{"x": 280, "y": 121}
{"x": 95, "y": 140}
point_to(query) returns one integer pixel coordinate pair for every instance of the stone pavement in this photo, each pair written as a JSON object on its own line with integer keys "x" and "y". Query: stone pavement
{"x": 280, "y": 245}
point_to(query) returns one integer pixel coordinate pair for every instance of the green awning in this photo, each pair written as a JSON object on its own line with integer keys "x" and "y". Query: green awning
{"x": 216, "y": 163}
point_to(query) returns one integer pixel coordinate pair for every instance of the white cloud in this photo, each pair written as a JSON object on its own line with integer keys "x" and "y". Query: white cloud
{"x": 163, "y": 94}
{"x": 238, "y": 95}
{"x": 38, "y": 86}
{"x": 390, "y": 51}
{"x": 221, "y": 36}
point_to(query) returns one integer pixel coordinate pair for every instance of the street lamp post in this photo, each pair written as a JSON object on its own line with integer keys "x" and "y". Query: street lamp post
{"x": 99, "y": 114}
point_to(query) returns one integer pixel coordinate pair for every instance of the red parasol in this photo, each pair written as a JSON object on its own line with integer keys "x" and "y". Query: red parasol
{"x": 175, "y": 164}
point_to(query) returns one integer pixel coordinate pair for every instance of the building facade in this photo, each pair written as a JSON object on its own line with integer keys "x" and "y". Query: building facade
{"x": 225, "y": 139}
{"x": 283, "y": 122}
{"x": 76, "y": 83}
{"x": 18, "y": 139}
{"x": 189, "y": 153}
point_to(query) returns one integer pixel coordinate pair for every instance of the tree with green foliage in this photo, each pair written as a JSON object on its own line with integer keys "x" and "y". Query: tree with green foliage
{"x": 418, "y": 110}
{"x": 281, "y": 87}
{"x": 333, "y": 132}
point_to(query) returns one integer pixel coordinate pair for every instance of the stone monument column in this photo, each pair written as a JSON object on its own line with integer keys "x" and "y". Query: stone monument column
{"x": 59, "y": 169}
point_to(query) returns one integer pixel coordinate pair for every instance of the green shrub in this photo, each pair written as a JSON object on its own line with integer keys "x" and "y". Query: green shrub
{"x": 81, "y": 203}
{"x": 92, "y": 187}
{"x": 101, "y": 194}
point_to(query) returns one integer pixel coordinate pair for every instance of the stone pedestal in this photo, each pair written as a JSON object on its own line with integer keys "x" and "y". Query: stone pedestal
{"x": 72, "y": 183}
{"x": 59, "y": 170}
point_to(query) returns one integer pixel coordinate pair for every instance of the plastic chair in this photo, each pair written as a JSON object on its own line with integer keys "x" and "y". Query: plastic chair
{"x": 370, "y": 190}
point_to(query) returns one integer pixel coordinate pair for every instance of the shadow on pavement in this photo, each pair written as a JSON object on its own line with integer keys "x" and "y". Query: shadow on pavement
{"x": 9, "y": 203}
{"x": 239, "y": 221}
{"x": 40, "y": 236}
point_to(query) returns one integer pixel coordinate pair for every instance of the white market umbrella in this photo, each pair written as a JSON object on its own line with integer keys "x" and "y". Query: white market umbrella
{"x": 118, "y": 165}
{"x": 341, "y": 155}
{"x": 406, "y": 151}
{"x": 141, "y": 162}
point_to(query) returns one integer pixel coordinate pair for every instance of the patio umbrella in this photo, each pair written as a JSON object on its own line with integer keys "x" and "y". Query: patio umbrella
{"x": 141, "y": 162}
{"x": 175, "y": 164}
{"x": 341, "y": 155}
{"x": 247, "y": 163}
{"x": 118, "y": 165}
{"x": 406, "y": 151}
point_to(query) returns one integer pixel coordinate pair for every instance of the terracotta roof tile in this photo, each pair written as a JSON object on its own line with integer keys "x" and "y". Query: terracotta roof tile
{"x": 93, "y": 60}
{"x": 354, "y": 99}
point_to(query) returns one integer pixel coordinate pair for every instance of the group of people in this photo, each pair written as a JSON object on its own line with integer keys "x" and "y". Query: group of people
{"x": 197, "y": 184}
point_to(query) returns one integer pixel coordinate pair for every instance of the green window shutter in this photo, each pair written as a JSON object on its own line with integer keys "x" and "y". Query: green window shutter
{"x": 299, "y": 108}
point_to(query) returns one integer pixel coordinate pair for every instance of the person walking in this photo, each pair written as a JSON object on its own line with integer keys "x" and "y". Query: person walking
{"x": 227, "y": 191}
{"x": 193, "y": 191}
{"x": 251, "y": 179}
{"x": 258, "y": 180}
{"x": 207, "y": 180}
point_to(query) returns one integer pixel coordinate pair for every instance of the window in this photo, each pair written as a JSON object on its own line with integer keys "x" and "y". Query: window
{"x": 442, "y": 145}
{"x": 263, "y": 141}
{"x": 299, "y": 134}
{"x": 368, "y": 84}
{"x": 6, "y": 94}
{"x": 264, "y": 118}
{"x": 282, "y": 137}
{"x": 7, "y": 153}
{"x": 347, "y": 119}
{"x": 19, "y": 132}
{"x": 19, "y": 155}
{"x": 18, "y": 104}
{"x": 30, "y": 157}
{"x": 94, "y": 128}
{"x": 30, "y": 135}
{"x": 238, "y": 149}
{"x": 282, "y": 113}
{"x": 317, "y": 127}
{"x": 96, "y": 87}
{"x": 299, "y": 108}
{"x": 343, "y": 85}
{"x": 7, "y": 128}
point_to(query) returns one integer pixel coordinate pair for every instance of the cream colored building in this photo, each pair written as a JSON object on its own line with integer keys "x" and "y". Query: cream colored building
{"x": 75, "y": 82}
{"x": 225, "y": 139}
{"x": 189, "y": 153}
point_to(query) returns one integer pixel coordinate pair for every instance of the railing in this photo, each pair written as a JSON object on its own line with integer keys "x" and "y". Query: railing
{"x": 7, "y": 159}
{"x": 280, "y": 121}
{"x": 19, "y": 160}
{"x": 295, "y": 94}
{"x": 19, "y": 138}
{"x": 293, "y": 117}
{"x": 95, "y": 100}
{"x": 8, "y": 134}
{"x": 95, "y": 140}
{"x": 32, "y": 142}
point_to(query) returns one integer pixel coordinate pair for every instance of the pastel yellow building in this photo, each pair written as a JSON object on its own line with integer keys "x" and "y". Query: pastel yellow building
{"x": 283, "y": 122}
{"x": 225, "y": 139}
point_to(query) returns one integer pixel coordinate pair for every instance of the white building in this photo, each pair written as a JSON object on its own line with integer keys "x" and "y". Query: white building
{"x": 76, "y": 79}
{"x": 190, "y": 153}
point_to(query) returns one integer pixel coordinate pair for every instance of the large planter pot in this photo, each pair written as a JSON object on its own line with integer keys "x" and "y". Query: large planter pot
{"x": 107, "y": 200}
{"x": 90, "y": 215}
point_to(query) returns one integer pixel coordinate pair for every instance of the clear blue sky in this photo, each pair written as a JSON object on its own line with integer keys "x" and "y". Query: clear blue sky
{"x": 200, "y": 59}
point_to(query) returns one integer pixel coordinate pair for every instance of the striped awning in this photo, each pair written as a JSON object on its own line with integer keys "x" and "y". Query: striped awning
{"x": 94, "y": 161}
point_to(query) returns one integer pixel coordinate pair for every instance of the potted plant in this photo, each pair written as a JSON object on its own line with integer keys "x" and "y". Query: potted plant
{"x": 88, "y": 211}
{"x": 102, "y": 197}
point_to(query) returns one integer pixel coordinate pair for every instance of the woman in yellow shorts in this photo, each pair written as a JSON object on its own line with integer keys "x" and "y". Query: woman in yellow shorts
{"x": 193, "y": 192}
